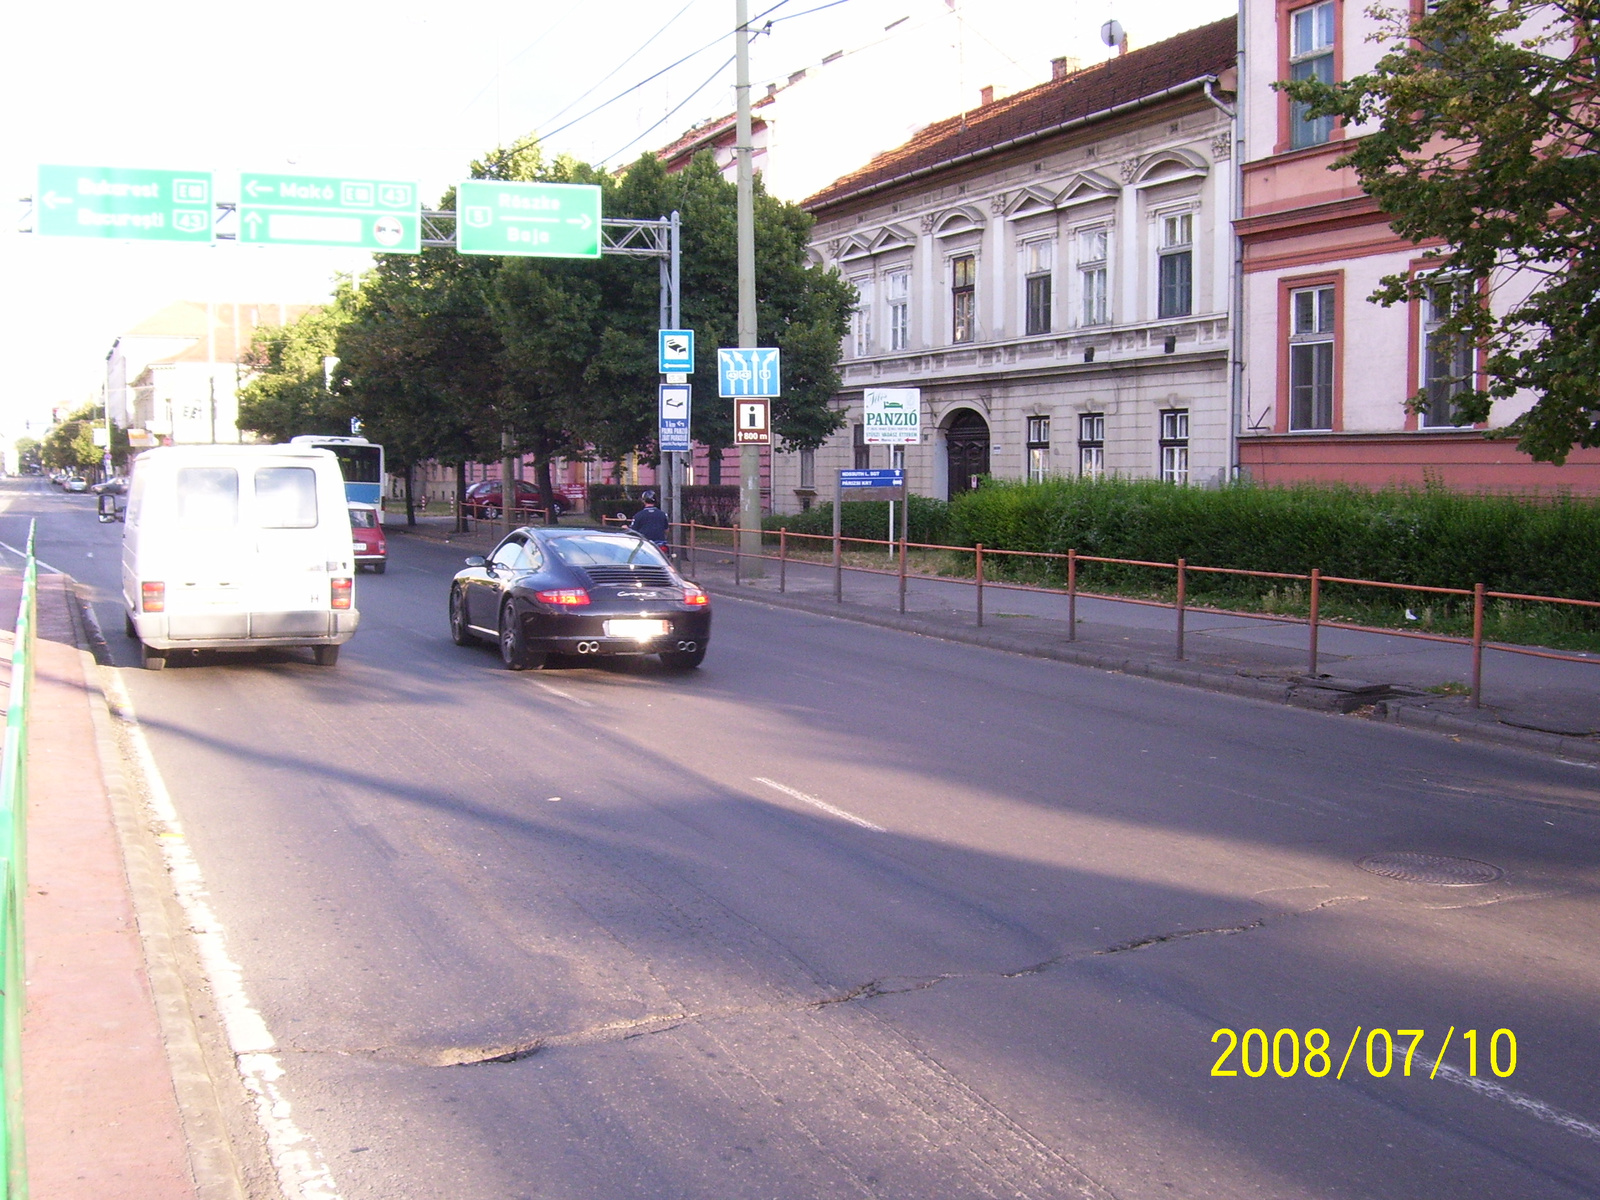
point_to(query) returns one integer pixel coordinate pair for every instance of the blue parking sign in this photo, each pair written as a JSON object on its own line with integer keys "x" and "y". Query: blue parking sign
{"x": 748, "y": 372}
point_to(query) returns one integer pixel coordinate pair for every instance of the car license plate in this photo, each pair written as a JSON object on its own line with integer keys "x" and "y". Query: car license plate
{"x": 637, "y": 628}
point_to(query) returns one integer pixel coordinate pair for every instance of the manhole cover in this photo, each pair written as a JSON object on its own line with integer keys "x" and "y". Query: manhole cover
{"x": 1411, "y": 867}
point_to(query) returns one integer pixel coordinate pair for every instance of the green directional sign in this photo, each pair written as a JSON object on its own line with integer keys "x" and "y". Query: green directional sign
{"x": 317, "y": 210}
{"x": 123, "y": 202}
{"x": 536, "y": 220}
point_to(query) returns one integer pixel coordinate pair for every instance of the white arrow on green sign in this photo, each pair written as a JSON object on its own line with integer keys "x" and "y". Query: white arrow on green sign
{"x": 318, "y": 210}
{"x": 123, "y": 202}
{"x": 532, "y": 220}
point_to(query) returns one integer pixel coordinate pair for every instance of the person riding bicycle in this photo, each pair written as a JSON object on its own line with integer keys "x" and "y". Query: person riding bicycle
{"x": 651, "y": 523}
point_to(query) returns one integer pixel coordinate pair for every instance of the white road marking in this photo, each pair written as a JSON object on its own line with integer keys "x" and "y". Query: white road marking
{"x": 555, "y": 691}
{"x": 37, "y": 559}
{"x": 302, "y": 1173}
{"x": 823, "y": 805}
{"x": 1535, "y": 1108}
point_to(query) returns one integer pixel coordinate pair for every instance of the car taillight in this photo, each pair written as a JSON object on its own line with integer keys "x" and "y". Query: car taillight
{"x": 563, "y": 596}
{"x": 153, "y": 597}
{"x": 343, "y": 592}
{"x": 694, "y": 594}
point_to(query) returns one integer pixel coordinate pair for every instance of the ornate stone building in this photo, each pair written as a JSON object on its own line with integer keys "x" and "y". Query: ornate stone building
{"x": 1053, "y": 270}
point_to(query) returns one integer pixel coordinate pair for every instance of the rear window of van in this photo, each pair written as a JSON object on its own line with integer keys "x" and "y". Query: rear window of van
{"x": 286, "y": 498}
{"x": 208, "y": 497}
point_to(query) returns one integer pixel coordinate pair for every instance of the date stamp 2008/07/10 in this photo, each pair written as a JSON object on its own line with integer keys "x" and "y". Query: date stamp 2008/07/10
{"x": 1287, "y": 1053}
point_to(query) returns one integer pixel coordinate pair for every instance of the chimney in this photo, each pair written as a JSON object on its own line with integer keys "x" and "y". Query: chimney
{"x": 986, "y": 97}
{"x": 1061, "y": 67}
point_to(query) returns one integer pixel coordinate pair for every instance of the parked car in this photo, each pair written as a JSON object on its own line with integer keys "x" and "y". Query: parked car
{"x": 75, "y": 483}
{"x": 584, "y": 592}
{"x": 117, "y": 485}
{"x": 366, "y": 538}
{"x": 482, "y": 499}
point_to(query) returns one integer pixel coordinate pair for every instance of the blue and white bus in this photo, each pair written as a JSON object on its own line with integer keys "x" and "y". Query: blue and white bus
{"x": 361, "y": 462}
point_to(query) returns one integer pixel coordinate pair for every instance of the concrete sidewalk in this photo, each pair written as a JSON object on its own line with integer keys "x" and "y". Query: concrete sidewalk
{"x": 1539, "y": 704}
{"x": 102, "y": 1116}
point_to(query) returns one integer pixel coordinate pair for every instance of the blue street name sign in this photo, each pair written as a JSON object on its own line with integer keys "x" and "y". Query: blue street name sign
{"x": 676, "y": 351}
{"x": 881, "y": 477}
{"x": 672, "y": 430}
{"x": 748, "y": 372}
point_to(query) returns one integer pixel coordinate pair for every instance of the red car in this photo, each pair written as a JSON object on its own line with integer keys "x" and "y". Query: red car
{"x": 482, "y": 499}
{"x": 367, "y": 540}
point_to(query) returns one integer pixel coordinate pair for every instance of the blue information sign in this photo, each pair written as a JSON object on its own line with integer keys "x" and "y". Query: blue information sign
{"x": 676, "y": 351}
{"x": 748, "y": 372}
{"x": 881, "y": 477}
{"x": 672, "y": 430}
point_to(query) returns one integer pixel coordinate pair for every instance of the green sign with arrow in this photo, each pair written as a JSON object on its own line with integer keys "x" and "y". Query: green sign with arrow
{"x": 532, "y": 220}
{"x": 124, "y": 202}
{"x": 316, "y": 210}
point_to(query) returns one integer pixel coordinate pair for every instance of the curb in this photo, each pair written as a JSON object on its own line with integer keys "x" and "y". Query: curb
{"x": 1388, "y": 711}
{"x": 211, "y": 1139}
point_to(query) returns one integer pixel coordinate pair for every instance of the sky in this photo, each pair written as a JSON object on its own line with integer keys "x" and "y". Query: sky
{"x": 414, "y": 90}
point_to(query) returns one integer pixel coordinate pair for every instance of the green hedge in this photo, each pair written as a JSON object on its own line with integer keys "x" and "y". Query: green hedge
{"x": 707, "y": 504}
{"x": 930, "y": 520}
{"x": 1430, "y": 537}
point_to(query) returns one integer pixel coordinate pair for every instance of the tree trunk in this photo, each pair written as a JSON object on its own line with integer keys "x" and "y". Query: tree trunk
{"x": 461, "y": 491}
{"x": 411, "y": 504}
{"x": 547, "y": 491}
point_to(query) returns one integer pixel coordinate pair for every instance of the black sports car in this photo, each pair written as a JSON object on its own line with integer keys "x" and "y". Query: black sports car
{"x": 583, "y": 592}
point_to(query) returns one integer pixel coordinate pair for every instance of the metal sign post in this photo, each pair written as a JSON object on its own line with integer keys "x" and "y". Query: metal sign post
{"x": 875, "y": 484}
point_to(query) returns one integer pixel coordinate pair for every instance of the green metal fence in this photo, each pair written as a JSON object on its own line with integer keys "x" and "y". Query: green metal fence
{"x": 14, "y": 882}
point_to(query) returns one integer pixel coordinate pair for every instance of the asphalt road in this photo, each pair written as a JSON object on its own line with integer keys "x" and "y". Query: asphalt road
{"x": 851, "y": 913}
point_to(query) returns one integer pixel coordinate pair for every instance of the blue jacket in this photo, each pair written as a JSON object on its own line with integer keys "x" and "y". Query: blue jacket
{"x": 650, "y": 522}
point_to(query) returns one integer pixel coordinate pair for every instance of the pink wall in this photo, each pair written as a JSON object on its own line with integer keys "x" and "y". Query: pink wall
{"x": 1466, "y": 462}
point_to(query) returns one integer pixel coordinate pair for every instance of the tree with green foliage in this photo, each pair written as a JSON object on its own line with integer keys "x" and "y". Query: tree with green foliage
{"x": 289, "y": 390}
{"x": 1483, "y": 134}
{"x": 28, "y": 456}
{"x": 443, "y": 354}
{"x": 70, "y": 444}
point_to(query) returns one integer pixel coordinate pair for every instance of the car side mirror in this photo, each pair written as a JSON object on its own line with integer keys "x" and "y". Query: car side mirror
{"x": 476, "y": 560}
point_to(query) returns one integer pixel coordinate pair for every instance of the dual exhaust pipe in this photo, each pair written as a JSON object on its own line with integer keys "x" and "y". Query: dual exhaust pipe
{"x": 594, "y": 647}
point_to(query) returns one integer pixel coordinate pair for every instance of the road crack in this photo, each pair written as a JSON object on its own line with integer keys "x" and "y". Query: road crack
{"x": 609, "y": 1032}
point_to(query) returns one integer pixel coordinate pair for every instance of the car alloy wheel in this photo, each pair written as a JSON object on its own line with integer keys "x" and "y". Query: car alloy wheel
{"x": 513, "y": 650}
{"x": 459, "y": 634}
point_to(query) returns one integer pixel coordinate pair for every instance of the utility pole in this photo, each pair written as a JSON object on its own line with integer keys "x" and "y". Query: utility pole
{"x": 744, "y": 153}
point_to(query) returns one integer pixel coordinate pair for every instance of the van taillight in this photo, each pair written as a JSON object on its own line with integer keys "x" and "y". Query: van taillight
{"x": 343, "y": 591}
{"x": 153, "y": 597}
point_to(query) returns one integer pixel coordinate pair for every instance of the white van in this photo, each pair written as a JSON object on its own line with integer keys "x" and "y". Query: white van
{"x": 237, "y": 548}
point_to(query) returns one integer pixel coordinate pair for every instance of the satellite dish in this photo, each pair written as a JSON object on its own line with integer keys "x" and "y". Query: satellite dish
{"x": 1111, "y": 33}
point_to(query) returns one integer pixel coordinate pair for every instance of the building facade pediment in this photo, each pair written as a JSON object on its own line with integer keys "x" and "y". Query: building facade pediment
{"x": 1169, "y": 166}
{"x": 1085, "y": 187}
{"x": 964, "y": 218}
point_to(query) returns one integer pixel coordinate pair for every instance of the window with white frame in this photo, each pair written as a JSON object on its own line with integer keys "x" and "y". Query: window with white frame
{"x": 861, "y": 320}
{"x": 1175, "y": 445}
{"x": 1310, "y": 57}
{"x": 1447, "y": 359}
{"x": 808, "y": 468}
{"x": 1093, "y": 245}
{"x": 897, "y": 297}
{"x": 963, "y": 298}
{"x": 1311, "y": 351}
{"x": 1175, "y": 275}
{"x": 1038, "y": 449}
{"x": 1038, "y": 257}
{"x": 1091, "y": 445}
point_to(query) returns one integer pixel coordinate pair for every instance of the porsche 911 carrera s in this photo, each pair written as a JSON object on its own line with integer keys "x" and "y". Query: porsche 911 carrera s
{"x": 583, "y": 592}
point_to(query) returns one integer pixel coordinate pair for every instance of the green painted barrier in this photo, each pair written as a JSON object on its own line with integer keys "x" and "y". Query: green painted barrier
{"x": 14, "y": 883}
